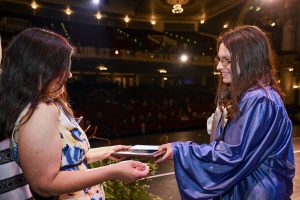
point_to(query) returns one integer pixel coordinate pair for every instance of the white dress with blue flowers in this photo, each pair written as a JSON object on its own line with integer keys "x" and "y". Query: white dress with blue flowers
{"x": 75, "y": 145}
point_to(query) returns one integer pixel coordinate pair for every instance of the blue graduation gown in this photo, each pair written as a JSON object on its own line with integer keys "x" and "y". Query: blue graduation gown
{"x": 254, "y": 160}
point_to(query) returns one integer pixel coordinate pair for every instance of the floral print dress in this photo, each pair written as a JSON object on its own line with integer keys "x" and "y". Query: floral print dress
{"x": 75, "y": 145}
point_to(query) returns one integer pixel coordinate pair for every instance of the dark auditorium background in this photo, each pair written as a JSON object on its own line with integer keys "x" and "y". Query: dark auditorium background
{"x": 147, "y": 66}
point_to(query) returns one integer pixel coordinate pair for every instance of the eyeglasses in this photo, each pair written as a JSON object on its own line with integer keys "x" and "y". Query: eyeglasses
{"x": 225, "y": 62}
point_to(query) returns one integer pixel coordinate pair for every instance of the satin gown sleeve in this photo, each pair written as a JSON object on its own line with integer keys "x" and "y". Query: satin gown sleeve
{"x": 260, "y": 136}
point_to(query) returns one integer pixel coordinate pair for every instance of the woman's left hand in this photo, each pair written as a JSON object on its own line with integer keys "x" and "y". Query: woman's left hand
{"x": 102, "y": 153}
{"x": 118, "y": 148}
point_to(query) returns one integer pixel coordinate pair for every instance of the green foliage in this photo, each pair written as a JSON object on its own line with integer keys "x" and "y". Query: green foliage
{"x": 116, "y": 190}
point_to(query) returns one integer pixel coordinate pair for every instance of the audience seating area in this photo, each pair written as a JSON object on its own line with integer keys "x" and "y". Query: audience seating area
{"x": 118, "y": 111}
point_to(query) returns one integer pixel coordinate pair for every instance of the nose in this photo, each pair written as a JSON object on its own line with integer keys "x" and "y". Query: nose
{"x": 219, "y": 66}
{"x": 70, "y": 75}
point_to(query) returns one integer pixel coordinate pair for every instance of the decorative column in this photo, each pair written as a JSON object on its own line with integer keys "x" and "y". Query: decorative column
{"x": 286, "y": 78}
{"x": 288, "y": 36}
{"x": 289, "y": 25}
{"x": 137, "y": 80}
{"x": 298, "y": 28}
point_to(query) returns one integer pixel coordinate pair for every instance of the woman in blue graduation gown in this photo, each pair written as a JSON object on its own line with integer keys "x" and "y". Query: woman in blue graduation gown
{"x": 250, "y": 155}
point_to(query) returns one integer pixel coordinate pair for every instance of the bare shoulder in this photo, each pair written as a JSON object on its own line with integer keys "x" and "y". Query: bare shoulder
{"x": 45, "y": 116}
{"x": 46, "y": 109}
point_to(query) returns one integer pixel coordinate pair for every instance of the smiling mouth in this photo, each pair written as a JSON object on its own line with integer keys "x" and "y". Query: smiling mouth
{"x": 224, "y": 74}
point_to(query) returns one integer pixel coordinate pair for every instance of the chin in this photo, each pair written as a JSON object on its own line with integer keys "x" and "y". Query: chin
{"x": 226, "y": 81}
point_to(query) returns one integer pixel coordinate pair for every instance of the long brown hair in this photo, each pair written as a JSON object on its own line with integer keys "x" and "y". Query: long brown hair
{"x": 252, "y": 66}
{"x": 31, "y": 62}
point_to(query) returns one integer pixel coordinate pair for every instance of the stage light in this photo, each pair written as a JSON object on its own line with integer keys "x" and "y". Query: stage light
{"x": 183, "y": 58}
{"x": 34, "y": 6}
{"x": 96, "y": 1}
{"x": 116, "y": 52}
{"x": 102, "y": 68}
{"x": 68, "y": 10}
{"x": 98, "y": 15}
{"x": 126, "y": 19}
{"x": 162, "y": 71}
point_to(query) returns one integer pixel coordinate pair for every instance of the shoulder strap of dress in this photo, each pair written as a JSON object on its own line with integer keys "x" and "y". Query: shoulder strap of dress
{"x": 59, "y": 107}
{"x": 18, "y": 122}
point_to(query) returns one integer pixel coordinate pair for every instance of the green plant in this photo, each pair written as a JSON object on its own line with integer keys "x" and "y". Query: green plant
{"x": 116, "y": 190}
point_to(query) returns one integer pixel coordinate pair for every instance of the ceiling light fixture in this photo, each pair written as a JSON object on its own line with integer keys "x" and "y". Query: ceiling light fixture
{"x": 96, "y": 1}
{"x": 177, "y": 9}
{"x": 184, "y": 58}
{"x": 126, "y": 19}
{"x": 177, "y": 5}
{"x": 98, "y": 15}
{"x": 68, "y": 10}
{"x": 102, "y": 68}
{"x": 162, "y": 71}
{"x": 34, "y": 5}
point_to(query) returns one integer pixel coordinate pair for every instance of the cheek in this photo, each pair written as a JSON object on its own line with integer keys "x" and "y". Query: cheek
{"x": 229, "y": 68}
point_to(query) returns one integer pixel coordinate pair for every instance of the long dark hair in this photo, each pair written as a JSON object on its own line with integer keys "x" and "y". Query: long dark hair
{"x": 251, "y": 56}
{"x": 31, "y": 62}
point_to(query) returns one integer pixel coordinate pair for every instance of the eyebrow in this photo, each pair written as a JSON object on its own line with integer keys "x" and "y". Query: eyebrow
{"x": 224, "y": 57}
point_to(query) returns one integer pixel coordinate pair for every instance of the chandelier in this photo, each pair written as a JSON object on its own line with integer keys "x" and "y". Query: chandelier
{"x": 177, "y": 9}
{"x": 177, "y": 5}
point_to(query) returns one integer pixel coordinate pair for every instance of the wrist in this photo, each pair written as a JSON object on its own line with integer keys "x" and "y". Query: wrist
{"x": 114, "y": 171}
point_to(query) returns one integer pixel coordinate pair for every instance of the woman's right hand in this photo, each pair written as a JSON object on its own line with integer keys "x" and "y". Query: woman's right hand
{"x": 167, "y": 150}
{"x": 129, "y": 171}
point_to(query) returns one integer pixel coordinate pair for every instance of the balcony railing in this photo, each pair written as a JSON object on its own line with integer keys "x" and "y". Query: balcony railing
{"x": 123, "y": 54}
